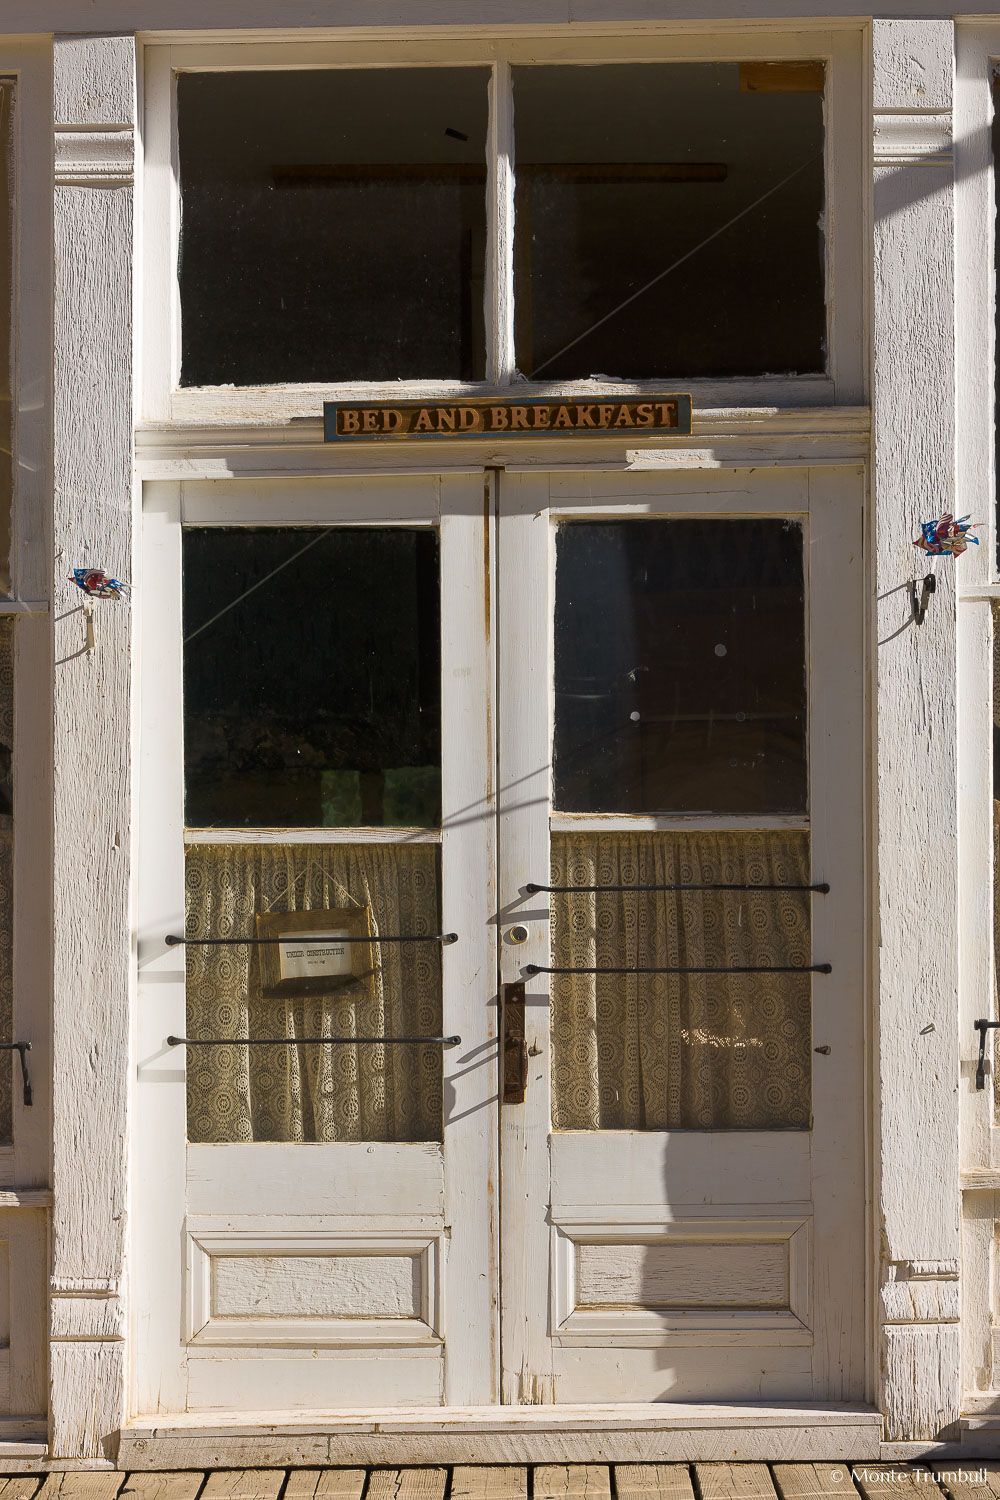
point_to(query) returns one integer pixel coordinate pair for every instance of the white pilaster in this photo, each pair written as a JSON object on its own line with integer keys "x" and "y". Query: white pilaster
{"x": 916, "y": 951}
{"x": 94, "y": 100}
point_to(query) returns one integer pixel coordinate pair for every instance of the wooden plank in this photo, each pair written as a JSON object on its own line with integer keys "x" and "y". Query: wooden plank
{"x": 98, "y": 1484}
{"x": 243, "y": 1484}
{"x": 407, "y": 1484}
{"x": 159, "y": 1486}
{"x": 555, "y": 1481}
{"x": 334, "y": 1484}
{"x": 958, "y": 1483}
{"x": 20, "y": 1486}
{"x": 472, "y": 1483}
{"x": 880, "y": 1480}
{"x": 734, "y": 1482}
{"x": 811, "y": 1481}
{"x": 666, "y": 1481}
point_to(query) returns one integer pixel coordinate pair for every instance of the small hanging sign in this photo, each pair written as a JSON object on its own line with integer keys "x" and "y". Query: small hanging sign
{"x": 536, "y": 416}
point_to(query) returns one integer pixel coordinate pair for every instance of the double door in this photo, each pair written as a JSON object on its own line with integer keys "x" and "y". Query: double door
{"x": 513, "y": 1051}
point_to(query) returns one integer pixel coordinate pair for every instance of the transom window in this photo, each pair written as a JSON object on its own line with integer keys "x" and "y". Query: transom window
{"x": 652, "y": 220}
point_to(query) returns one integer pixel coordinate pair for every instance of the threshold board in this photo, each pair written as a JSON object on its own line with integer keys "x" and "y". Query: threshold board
{"x": 671, "y": 1432}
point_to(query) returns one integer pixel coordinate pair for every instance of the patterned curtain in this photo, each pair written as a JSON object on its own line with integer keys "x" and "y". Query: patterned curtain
{"x": 312, "y": 1092}
{"x": 687, "y": 1053}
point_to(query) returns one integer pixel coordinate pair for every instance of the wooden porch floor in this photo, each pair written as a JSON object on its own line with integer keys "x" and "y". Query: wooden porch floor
{"x": 970, "y": 1480}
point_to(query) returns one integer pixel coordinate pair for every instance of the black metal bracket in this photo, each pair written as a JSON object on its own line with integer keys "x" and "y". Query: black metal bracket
{"x": 172, "y": 941}
{"x": 919, "y": 608}
{"x": 983, "y": 1026}
{"x": 21, "y": 1048}
{"x": 312, "y": 1041}
{"x": 569, "y": 890}
{"x": 717, "y": 969}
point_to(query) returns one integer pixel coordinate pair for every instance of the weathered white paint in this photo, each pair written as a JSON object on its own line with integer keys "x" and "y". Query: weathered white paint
{"x": 303, "y": 1286}
{"x": 913, "y": 430}
{"x": 281, "y": 1202}
{"x": 554, "y": 1182}
{"x": 92, "y": 808}
{"x": 679, "y": 1275}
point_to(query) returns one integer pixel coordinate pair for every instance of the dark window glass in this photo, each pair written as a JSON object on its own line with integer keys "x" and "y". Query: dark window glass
{"x": 668, "y": 220}
{"x": 312, "y": 677}
{"x": 680, "y": 667}
{"x": 333, "y": 225}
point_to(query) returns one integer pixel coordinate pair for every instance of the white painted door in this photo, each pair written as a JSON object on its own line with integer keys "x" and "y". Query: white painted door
{"x": 315, "y": 1200}
{"x": 680, "y": 707}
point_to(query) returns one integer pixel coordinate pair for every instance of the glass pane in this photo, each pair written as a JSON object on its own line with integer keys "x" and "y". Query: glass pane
{"x": 333, "y": 225}
{"x": 680, "y": 667}
{"x": 307, "y": 1091}
{"x": 668, "y": 220}
{"x": 312, "y": 677}
{"x": 681, "y": 1052}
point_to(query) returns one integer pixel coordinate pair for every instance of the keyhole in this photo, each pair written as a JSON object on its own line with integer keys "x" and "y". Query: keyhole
{"x": 517, "y": 935}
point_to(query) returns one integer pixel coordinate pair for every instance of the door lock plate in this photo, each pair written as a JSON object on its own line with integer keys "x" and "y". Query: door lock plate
{"x": 515, "y": 1050}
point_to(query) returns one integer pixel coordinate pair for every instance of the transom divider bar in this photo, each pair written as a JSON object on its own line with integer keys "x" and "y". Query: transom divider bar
{"x": 172, "y": 941}
{"x": 568, "y": 890}
{"x": 717, "y": 969}
{"x": 312, "y": 1041}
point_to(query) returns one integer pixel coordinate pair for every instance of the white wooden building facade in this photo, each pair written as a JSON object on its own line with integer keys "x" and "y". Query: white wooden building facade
{"x": 711, "y": 1236}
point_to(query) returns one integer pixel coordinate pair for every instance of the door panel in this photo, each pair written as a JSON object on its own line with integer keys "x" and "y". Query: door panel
{"x": 337, "y": 1195}
{"x": 683, "y": 1184}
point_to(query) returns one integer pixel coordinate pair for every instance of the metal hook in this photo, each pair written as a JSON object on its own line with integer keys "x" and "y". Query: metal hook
{"x": 928, "y": 588}
{"x": 983, "y": 1026}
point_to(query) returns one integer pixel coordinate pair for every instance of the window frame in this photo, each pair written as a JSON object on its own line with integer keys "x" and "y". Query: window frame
{"x": 845, "y": 380}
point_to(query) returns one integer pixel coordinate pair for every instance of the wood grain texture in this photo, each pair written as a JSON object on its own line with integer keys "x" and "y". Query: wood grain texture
{"x": 20, "y": 1486}
{"x": 92, "y": 804}
{"x": 958, "y": 1482}
{"x": 507, "y": 1483}
{"x": 810, "y": 1481}
{"x": 916, "y": 718}
{"x": 82, "y": 1485}
{"x": 94, "y": 80}
{"x": 243, "y": 1484}
{"x": 664, "y": 1481}
{"x": 560, "y": 1481}
{"x": 331, "y": 1484}
{"x": 682, "y": 1275}
{"x": 322, "y": 1286}
{"x": 407, "y": 1484}
{"x": 879, "y": 1481}
{"x": 734, "y": 1482}
{"x": 155, "y": 1486}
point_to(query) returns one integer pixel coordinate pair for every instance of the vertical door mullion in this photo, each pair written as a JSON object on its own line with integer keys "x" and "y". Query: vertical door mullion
{"x": 525, "y": 694}
{"x": 499, "y": 310}
{"x": 468, "y": 865}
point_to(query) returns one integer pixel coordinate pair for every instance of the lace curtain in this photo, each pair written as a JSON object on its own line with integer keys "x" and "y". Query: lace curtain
{"x": 313, "y": 1092}
{"x": 692, "y": 1052}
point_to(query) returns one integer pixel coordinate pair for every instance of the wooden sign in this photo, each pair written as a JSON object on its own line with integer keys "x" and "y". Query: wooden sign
{"x": 639, "y": 416}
